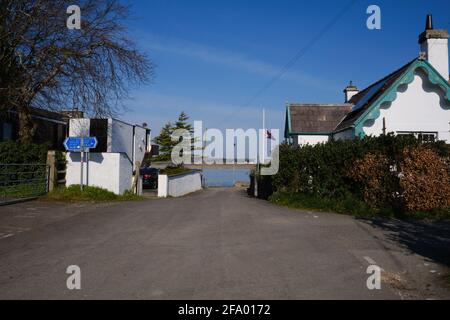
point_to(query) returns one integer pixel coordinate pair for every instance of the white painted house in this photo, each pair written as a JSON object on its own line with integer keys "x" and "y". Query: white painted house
{"x": 111, "y": 165}
{"x": 415, "y": 99}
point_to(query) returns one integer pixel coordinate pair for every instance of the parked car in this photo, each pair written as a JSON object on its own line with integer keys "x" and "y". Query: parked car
{"x": 149, "y": 178}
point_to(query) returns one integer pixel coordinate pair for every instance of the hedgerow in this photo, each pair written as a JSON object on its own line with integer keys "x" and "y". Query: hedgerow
{"x": 20, "y": 153}
{"x": 386, "y": 172}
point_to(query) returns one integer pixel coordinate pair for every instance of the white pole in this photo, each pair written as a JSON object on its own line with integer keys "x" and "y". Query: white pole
{"x": 264, "y": 137}
{"x": 81, "y": 162}
{"x": 87, "y": 167}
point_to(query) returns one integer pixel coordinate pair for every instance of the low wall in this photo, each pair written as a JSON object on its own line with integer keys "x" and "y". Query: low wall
{"x": 111, "y": 171}
{"x": 179, "y": 185}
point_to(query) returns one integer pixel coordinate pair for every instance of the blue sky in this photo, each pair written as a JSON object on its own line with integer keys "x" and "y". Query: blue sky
{"x": 213, "y": 56}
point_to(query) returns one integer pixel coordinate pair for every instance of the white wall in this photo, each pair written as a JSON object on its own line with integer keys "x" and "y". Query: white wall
{"x": 111, "y": 171}
{"x": 419, "y": 108}
{"x": 437, "y": 55}
{"x": 79, "y": 127}
{"x": 180, "y": 185}
{"x": 122, "y": 138}
{"x": 312, "y": 140}
{"x": 350, "y": 94}
{"x": 139, "y": 143}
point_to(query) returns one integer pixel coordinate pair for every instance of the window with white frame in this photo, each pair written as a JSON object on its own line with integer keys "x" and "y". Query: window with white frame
{"x": 425, "y": 137}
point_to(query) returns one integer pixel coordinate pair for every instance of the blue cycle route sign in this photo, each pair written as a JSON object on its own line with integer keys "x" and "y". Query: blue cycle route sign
{"x": 75, "y": 144}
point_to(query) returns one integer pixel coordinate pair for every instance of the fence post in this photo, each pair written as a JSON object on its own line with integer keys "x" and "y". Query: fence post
{"x": 136, "y": 176}
{"x": 51, "y": 165}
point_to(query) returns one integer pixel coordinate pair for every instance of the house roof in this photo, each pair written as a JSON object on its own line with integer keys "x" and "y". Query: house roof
{"x": 363, "y": 100}
{"x": 311, "y": 118}
{"x": 367, "y": 102}
{"x": 364, "y": 106}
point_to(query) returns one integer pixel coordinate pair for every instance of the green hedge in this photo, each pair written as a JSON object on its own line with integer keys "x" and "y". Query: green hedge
{"x": 14, "y": 152}
{"x": 322, "y": 171}
{"x": 18, "y": 153}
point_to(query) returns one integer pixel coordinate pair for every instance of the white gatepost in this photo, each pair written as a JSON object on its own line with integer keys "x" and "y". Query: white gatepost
{"x": 163, "y": 186}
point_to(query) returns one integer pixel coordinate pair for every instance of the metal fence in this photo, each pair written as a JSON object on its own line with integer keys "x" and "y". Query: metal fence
{"x": 22, "y": 181}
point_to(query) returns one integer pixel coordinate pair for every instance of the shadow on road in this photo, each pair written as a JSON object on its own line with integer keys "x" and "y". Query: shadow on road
{"x": 428, "y": 239}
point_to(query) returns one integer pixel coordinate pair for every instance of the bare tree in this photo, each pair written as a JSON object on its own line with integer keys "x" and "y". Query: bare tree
{"x": 44, "y": 64}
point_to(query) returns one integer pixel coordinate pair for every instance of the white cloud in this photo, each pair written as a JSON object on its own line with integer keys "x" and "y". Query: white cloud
{"x": 230, "y": 59}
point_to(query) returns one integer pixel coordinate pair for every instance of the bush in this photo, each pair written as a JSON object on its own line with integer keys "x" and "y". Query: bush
{"x": 388, "y": 173}
{"x": 174, "y": 170}
{"x": 18, "y": 153}
{"x": 376, "y": 182}
{"x": 425, "y": 179}
{"x": 14, "y": 152}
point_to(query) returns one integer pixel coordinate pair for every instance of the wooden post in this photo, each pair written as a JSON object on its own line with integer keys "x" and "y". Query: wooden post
{"x": 136, "y": 180}
{"x": 51, "y": 165}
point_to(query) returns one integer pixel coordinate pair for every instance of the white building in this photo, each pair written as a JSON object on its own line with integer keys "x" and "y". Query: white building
{"x": 112, "y": 163}
{"x": 415, "y": 99}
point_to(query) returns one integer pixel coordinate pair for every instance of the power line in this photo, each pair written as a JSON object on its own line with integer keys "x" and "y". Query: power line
{"x": 295, "y": 58}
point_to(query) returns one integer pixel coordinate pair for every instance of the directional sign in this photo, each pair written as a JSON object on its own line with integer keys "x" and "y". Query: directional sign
{"x": 75, "y": 144}
{"x": 90, "y": 142}
{"x": 72, "y": 144}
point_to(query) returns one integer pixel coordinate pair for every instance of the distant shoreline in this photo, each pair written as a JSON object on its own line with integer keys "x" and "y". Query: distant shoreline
{"x": 208, "y": 166}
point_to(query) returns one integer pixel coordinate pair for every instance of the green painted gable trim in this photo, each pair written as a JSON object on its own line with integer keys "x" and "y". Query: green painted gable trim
{"x": 373, "y": 112}
{"x": 288, "y": 122}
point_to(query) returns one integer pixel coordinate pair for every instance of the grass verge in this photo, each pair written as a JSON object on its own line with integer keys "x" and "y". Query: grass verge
{"x": 351, "y": 206}
{"x": 24, "y": 190}
{"x": 73, "y": 193}
{"x": 344, "y": 206}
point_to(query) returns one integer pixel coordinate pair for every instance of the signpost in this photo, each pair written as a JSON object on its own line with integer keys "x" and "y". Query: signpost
{"x": 75, "y": 144}
{"x": 82, "y": 145}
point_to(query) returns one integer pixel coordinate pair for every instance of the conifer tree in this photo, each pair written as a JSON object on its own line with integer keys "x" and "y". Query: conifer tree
{"x": 164, "y": 140}
{"x": 182, "y": 123}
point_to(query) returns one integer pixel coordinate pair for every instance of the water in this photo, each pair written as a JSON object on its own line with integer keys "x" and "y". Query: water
{"x": 225, "y": 177}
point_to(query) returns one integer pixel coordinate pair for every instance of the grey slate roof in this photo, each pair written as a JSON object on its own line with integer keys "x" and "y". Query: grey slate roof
{"x": 316, "y": 118}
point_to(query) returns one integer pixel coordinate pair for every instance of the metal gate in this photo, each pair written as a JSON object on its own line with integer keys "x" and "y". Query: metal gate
{"x": 22, "y": 181}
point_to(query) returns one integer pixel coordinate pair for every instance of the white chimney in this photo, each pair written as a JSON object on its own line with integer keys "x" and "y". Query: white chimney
{"x": 350, "y": 91}
{"x": 434, "y": 44}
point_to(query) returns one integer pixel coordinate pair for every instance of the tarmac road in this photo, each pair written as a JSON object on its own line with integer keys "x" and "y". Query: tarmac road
{"x": 215, "y": 244}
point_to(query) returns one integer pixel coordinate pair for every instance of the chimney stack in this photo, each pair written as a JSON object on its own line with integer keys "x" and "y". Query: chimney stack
{"x": 434, "y": 44}
{"x": 350, "y": 91}
{"x": 429, "y": 22}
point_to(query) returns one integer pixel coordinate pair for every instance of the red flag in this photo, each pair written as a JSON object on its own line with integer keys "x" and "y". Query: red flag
{"x": 269, "y": 135}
